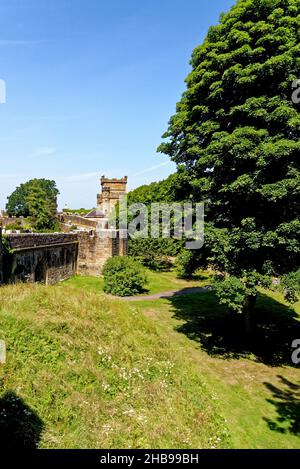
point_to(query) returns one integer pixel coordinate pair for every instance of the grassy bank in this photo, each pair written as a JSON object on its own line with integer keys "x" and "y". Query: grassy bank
{"x": 255, "y": 382}
{"x": 83, "y": 371}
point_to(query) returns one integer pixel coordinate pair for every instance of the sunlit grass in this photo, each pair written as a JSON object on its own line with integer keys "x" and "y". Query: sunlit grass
{"x": 97, "y": 373}
{"x": 157, "y": 282}
{"x": 256, "y": 384}
{"x": 85, "y": 371}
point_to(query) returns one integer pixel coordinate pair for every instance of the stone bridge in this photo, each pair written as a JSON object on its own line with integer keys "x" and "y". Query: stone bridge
{"x": 45, "y": 258}
{"x": 49, "y": 258}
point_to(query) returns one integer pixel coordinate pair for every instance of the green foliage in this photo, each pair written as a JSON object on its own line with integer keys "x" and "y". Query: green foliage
{"x": 291, "y": 286}
{"x": 206, "y": 333}
{"x": 232, "y": 292}
{"x": 154, "y": 253}
{"x": 6, "y": 249}
{"x": 175, "y": 188}
{"x": 139, "y": 362}
{"x": 7, "y": 253}
{"x": 235, "y": 292}
{"x": 186, "y": 263}
{"x": 123, "y": 276}
{"x": 14, "y": 226}
{"x": 36, "y": 199}
{"x": 123, "y": 365}
{"x": 155, "y": 263}
{"x": 237, "y": 134}
{"x": 79, "y": 211}
{"x": 17, "y": 202}
{"x": 154, "y": 246}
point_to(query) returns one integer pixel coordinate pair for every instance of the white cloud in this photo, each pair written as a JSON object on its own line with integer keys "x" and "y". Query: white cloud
{"x": 152, "y": 168}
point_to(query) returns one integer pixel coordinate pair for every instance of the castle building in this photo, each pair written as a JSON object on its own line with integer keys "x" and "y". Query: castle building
{"x": 111, "y": 192}
{"x": 53, "y": 257}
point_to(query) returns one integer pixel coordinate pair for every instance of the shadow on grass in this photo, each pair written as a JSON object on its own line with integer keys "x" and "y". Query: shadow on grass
{"x": 197, "y": 276}
{"x": 287, "y": 402}
{"x": 20, "y": 427}
{"x": 222, "y": 333}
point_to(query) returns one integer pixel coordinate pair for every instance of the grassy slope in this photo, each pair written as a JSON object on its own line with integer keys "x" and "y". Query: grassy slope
{"x": 260, "y": 397}
{"x": 177, "y": 367}
{"x": 83, "y": 371}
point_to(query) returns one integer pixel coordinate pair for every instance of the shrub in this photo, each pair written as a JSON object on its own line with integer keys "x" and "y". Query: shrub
{"x": 235, "y": 292}
{"x": 291, "y": 286}
{"x": 231, "y": 292}
{"x": 14, "y": 226}
{"x": 156, "y": 263}
{"x": 186, "y": 264}
{"x": 123, "y": 276}
{"x": 154, "y": 246}
{"x": 155, "y": 253}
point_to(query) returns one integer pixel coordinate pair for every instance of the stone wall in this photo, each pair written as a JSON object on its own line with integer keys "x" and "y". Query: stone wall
{"x": 96, "y": 248}
{"x": 50, "y": 258}
{"x": 111, "y": 191}
{"x": 45, "y": 258}
{"x": 77, "y": 221}
{"x": 29, "y": 240}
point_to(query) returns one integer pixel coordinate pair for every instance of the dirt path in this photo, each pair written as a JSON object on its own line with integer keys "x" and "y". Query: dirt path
{"x": 167, "y": 294}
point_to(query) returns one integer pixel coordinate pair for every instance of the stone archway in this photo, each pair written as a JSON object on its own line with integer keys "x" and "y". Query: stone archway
{"x": 40, "y": 273}
{"x": 20, "y": 274}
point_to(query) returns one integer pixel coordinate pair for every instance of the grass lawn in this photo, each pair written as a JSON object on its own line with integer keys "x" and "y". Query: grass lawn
{"x": 254, "y": 383}
{"x": 157, "y": 282}
{"x": 86, "y": 371}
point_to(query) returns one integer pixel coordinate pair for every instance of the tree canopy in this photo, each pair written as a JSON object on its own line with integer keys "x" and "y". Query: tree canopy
{"x": 236, "y": 132}
{"x": 176, "y": 187}
{"x": 36, "y": 199}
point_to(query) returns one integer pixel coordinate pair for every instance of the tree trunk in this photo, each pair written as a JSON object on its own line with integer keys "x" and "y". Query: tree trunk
{"x": 247, "y": 311}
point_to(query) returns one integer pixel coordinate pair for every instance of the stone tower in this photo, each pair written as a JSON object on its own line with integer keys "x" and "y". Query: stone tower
{"x": 111, "y": 192}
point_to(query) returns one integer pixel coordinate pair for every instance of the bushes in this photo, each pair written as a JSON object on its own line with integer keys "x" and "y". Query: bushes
{"x": 156, "y": 246}
{"x": 187, "y": 262}
{"x": 231, "y": 292}
{"x": 14, "y": 226}
{"x": 154, "y": 253}
{"x": 291, "y": 286}
{"x": 123, "y": 276}
{"x": 155, "y": 263}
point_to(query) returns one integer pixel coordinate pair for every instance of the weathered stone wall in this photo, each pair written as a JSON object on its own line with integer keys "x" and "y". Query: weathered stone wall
{"x": 46, "y": 258}
{"x": 78, "y": 221}
{"x": 50, "y": 258}
{"x": 29, "y": 240}
{"x": 96, "y": 248}
{"x": 112, "y": 190}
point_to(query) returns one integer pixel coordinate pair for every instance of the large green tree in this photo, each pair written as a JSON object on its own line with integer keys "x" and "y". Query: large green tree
{"x": 236, "y": 131}
{"x": 36, "y": 199}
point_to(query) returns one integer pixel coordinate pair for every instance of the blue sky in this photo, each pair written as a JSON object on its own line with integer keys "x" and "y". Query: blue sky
{"x": 91, "y": 85}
